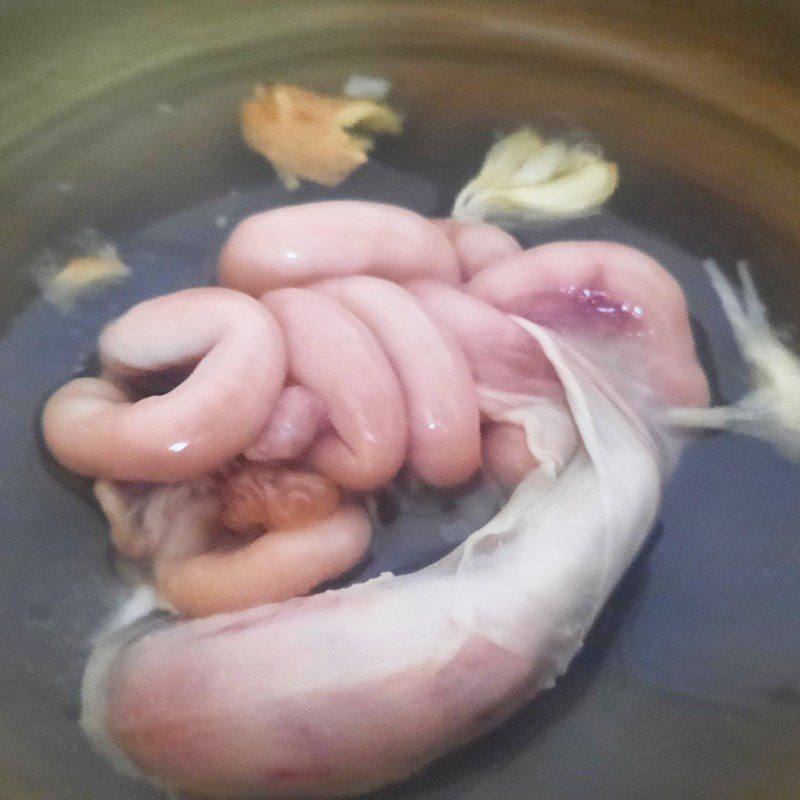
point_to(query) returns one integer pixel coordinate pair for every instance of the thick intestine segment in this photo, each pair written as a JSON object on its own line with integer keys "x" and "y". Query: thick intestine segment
{"x": 439, "y": 391}
{"x": 298, "y": 245}
{"x": 194, "y": 574}
{"x": 504, "y": 360}
{"x": 477, "y": 244}
{"x": 336, "y": 356}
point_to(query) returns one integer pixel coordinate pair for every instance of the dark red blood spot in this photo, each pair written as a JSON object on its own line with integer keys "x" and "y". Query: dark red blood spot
{"x": 578, "y": 308}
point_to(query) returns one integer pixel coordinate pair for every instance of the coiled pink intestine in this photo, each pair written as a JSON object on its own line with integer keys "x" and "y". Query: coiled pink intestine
{"x": 237, "y": 357}
{"x": 381, "y": 338}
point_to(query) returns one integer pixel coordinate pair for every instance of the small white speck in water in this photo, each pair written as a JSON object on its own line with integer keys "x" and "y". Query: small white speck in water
{"x": 367, "y": 87}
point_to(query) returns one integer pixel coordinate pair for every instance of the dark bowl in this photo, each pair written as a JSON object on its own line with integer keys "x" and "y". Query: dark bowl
{"x": 119, "y": 123}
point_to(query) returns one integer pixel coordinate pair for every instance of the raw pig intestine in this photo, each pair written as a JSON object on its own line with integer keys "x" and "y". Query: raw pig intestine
{"x": 378, "y": 339}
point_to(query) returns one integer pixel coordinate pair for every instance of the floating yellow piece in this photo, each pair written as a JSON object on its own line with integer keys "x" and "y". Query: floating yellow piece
{"x": 82, "y": 275}
{"x": 771, "y": 410}
{"x": 523, "y": 177}
{"x": 311, "y": 136}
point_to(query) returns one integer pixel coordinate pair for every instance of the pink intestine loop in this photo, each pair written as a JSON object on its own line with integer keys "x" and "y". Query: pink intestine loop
{"x": 372, "y": 338}
{"x": 116, "y": 426}
{"x": 364, "y": 353}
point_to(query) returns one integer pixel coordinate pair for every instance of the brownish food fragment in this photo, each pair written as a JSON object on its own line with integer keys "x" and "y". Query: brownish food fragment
{"x": 313, "y": 136}
{"x": 275, "y": 498}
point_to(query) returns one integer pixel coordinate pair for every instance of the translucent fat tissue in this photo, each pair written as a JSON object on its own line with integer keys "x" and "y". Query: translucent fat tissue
{"x": 526, "y": 178}
{"x": 771, "y": 411}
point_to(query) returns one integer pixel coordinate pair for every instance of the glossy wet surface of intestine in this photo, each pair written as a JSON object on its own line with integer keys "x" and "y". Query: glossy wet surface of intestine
{"x": 655, "y": 622}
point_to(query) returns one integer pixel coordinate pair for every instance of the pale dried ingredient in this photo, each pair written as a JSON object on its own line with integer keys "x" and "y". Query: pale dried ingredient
{"x": 83, "y": 275}
{"x": 524, "y": 177}
{"x": 311, "y": 136}
{"x": 771, "y": 411}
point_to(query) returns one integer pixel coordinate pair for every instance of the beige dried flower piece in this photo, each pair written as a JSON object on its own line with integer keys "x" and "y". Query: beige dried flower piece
{"x": 83, "y": 275}
{"x": 526, "y": 178}
{"x": 771, "y": 411}
{"x": 312, "y": 136}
